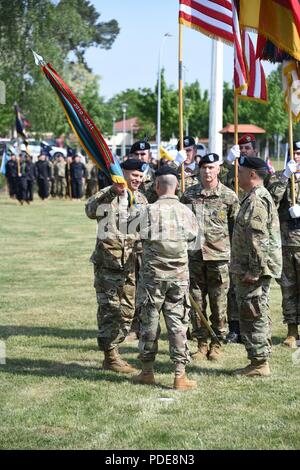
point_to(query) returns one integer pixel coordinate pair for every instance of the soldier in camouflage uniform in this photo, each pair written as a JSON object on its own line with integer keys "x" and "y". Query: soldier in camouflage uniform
{"x": 60, "y": 176}
{"x": 256, "y": 259}
{"x": 246, "y": 147}
{"x": 114, "y": 261}
{"x": 289, "y": 217}
{"x": 52, "y": 164}
{"x": 140, "y": 150}
{"x": 191, "y": 168}
{"x": 166, "y": 229}
{"x": 216, "y": 207}
{"x": 91, "y": 179}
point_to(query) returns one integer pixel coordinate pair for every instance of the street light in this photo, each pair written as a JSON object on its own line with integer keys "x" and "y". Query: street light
{"x": 187, "y": 105}
{"x": 166, "y": 35}
{"x": 113, "y": 125}
{"x": 124, "y": 109}
{"x": 113, "y": 134}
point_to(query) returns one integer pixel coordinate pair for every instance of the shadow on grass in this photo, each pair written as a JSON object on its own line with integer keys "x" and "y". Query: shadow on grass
{"x": 73, "y": 370}
{"x": 277, "y": 340}
{"x": 15, "y": 330}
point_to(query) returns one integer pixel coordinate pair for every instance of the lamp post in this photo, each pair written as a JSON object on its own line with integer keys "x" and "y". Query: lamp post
{"x": 166, "y": 35}
{"x": 113, "y": 139}
{"x": 124, "y": 109}
{"x": 113, "y": 126}
{"x": 187, "y": 105}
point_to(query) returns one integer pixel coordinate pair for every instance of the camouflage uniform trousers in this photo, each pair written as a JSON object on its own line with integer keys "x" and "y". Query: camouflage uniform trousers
{"x": 115, "y": 291}
{"x": 253, "y": 304}
{"x": 232, "y": 307}
{"x": 290, "y": 284}
{"x": 60, "y": 186}
{"x": 170, "y": 297}
{"x": 209, "y": 278}
{"x": 135, "y": 327}
{"x": 91, "y": 188}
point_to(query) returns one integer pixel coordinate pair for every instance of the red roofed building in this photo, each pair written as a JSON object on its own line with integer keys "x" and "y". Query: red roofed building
{"x": 228, "y": 132}
{"x": 131, "y": 125}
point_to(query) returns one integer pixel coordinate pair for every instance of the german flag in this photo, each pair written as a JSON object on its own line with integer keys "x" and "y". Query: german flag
{"x": 277, "y": 22}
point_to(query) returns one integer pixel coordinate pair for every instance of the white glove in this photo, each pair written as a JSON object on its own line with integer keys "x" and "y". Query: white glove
{"x": 233, "y": 153}
{"x": 295, "y": 211}
{"x": 290, "y": 169}
{"x": 180, "y": 157}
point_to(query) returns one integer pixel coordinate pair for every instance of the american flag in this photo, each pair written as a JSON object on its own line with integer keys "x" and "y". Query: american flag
{"x": 211, "y": 17}
{"x": 257, "y": 86}
{"x": 240, "y": 73}
{"x": 217, "y": 19}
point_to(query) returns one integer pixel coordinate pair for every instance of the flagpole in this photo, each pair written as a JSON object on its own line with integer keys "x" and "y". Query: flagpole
{"x": 180, "y": 103}
{"x": 236, "y": 138}
{"x": 293, "y": 191}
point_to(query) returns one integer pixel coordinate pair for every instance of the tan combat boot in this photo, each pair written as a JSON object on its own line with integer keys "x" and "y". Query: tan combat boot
{"x": 255, "y": 369}
{"x": 292, "y": 336}
{"x": 214, "y": 352}
{"x": 146, "y": 376}
{"x": 201, "y": 353}
{"x": 181, "y": 382}
{"x": 113, "y": 361}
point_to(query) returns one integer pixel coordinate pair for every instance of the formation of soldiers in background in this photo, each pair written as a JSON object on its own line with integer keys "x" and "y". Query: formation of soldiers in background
{"x": 242, "y": 246}
{"x": 70, "y": 177}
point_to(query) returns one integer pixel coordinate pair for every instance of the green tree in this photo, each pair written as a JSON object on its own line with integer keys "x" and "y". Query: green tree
{"x": 54, "y": 29}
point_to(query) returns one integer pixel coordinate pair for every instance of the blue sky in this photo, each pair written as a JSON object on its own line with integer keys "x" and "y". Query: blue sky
{"x": 132, "y": 62}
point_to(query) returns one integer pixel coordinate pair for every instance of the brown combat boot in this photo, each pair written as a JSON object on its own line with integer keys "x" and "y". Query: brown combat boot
{"x": 214, "y": 352}
{"x": 146, "y": 376}
{"x": 292, "y": 336}
{"x": 181, "y": 382}
{"x": 201, "y": 353}
{"x": 113, "y": 361}
{"x": 255, "y": 369}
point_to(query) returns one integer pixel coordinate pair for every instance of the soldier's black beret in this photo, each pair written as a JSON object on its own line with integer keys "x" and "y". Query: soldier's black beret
{"x": 296, "y": 146}
{"x": 187, "y": 142}
{"x": 132, "y": 165}
{"x": 166, "y": 170}
{"x": 140, "y": 145}
{"x": 254, "y": 163}
{"x": 209, "y": 158}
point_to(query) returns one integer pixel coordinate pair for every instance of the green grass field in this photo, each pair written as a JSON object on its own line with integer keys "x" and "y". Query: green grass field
{"x": 53, "y": 393}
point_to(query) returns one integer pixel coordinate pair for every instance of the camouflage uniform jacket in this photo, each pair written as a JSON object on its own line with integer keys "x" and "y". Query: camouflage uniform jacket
{"x": 91, "y": 171}
{"x": 256, "y": 246}
{"x": 167, "y": 227}
{"x": 59, "y": 169}
{"x": 116, "y": 234}
{"x": 190, "y": 179}
{"x": 147, "y": 186}
{"x": 280, "y": 190}
{"x": 215, "y": 210}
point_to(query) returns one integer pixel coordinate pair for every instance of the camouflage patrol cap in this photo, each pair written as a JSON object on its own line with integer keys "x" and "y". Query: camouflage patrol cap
{"x": 209, "y": 159}
{"x": 254, "y": 163}
{"x": 187, "y": 142}
{"x": 140, "y": 145}
{"x": 246, "y": 139}
{"x": 134, "y": 165}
